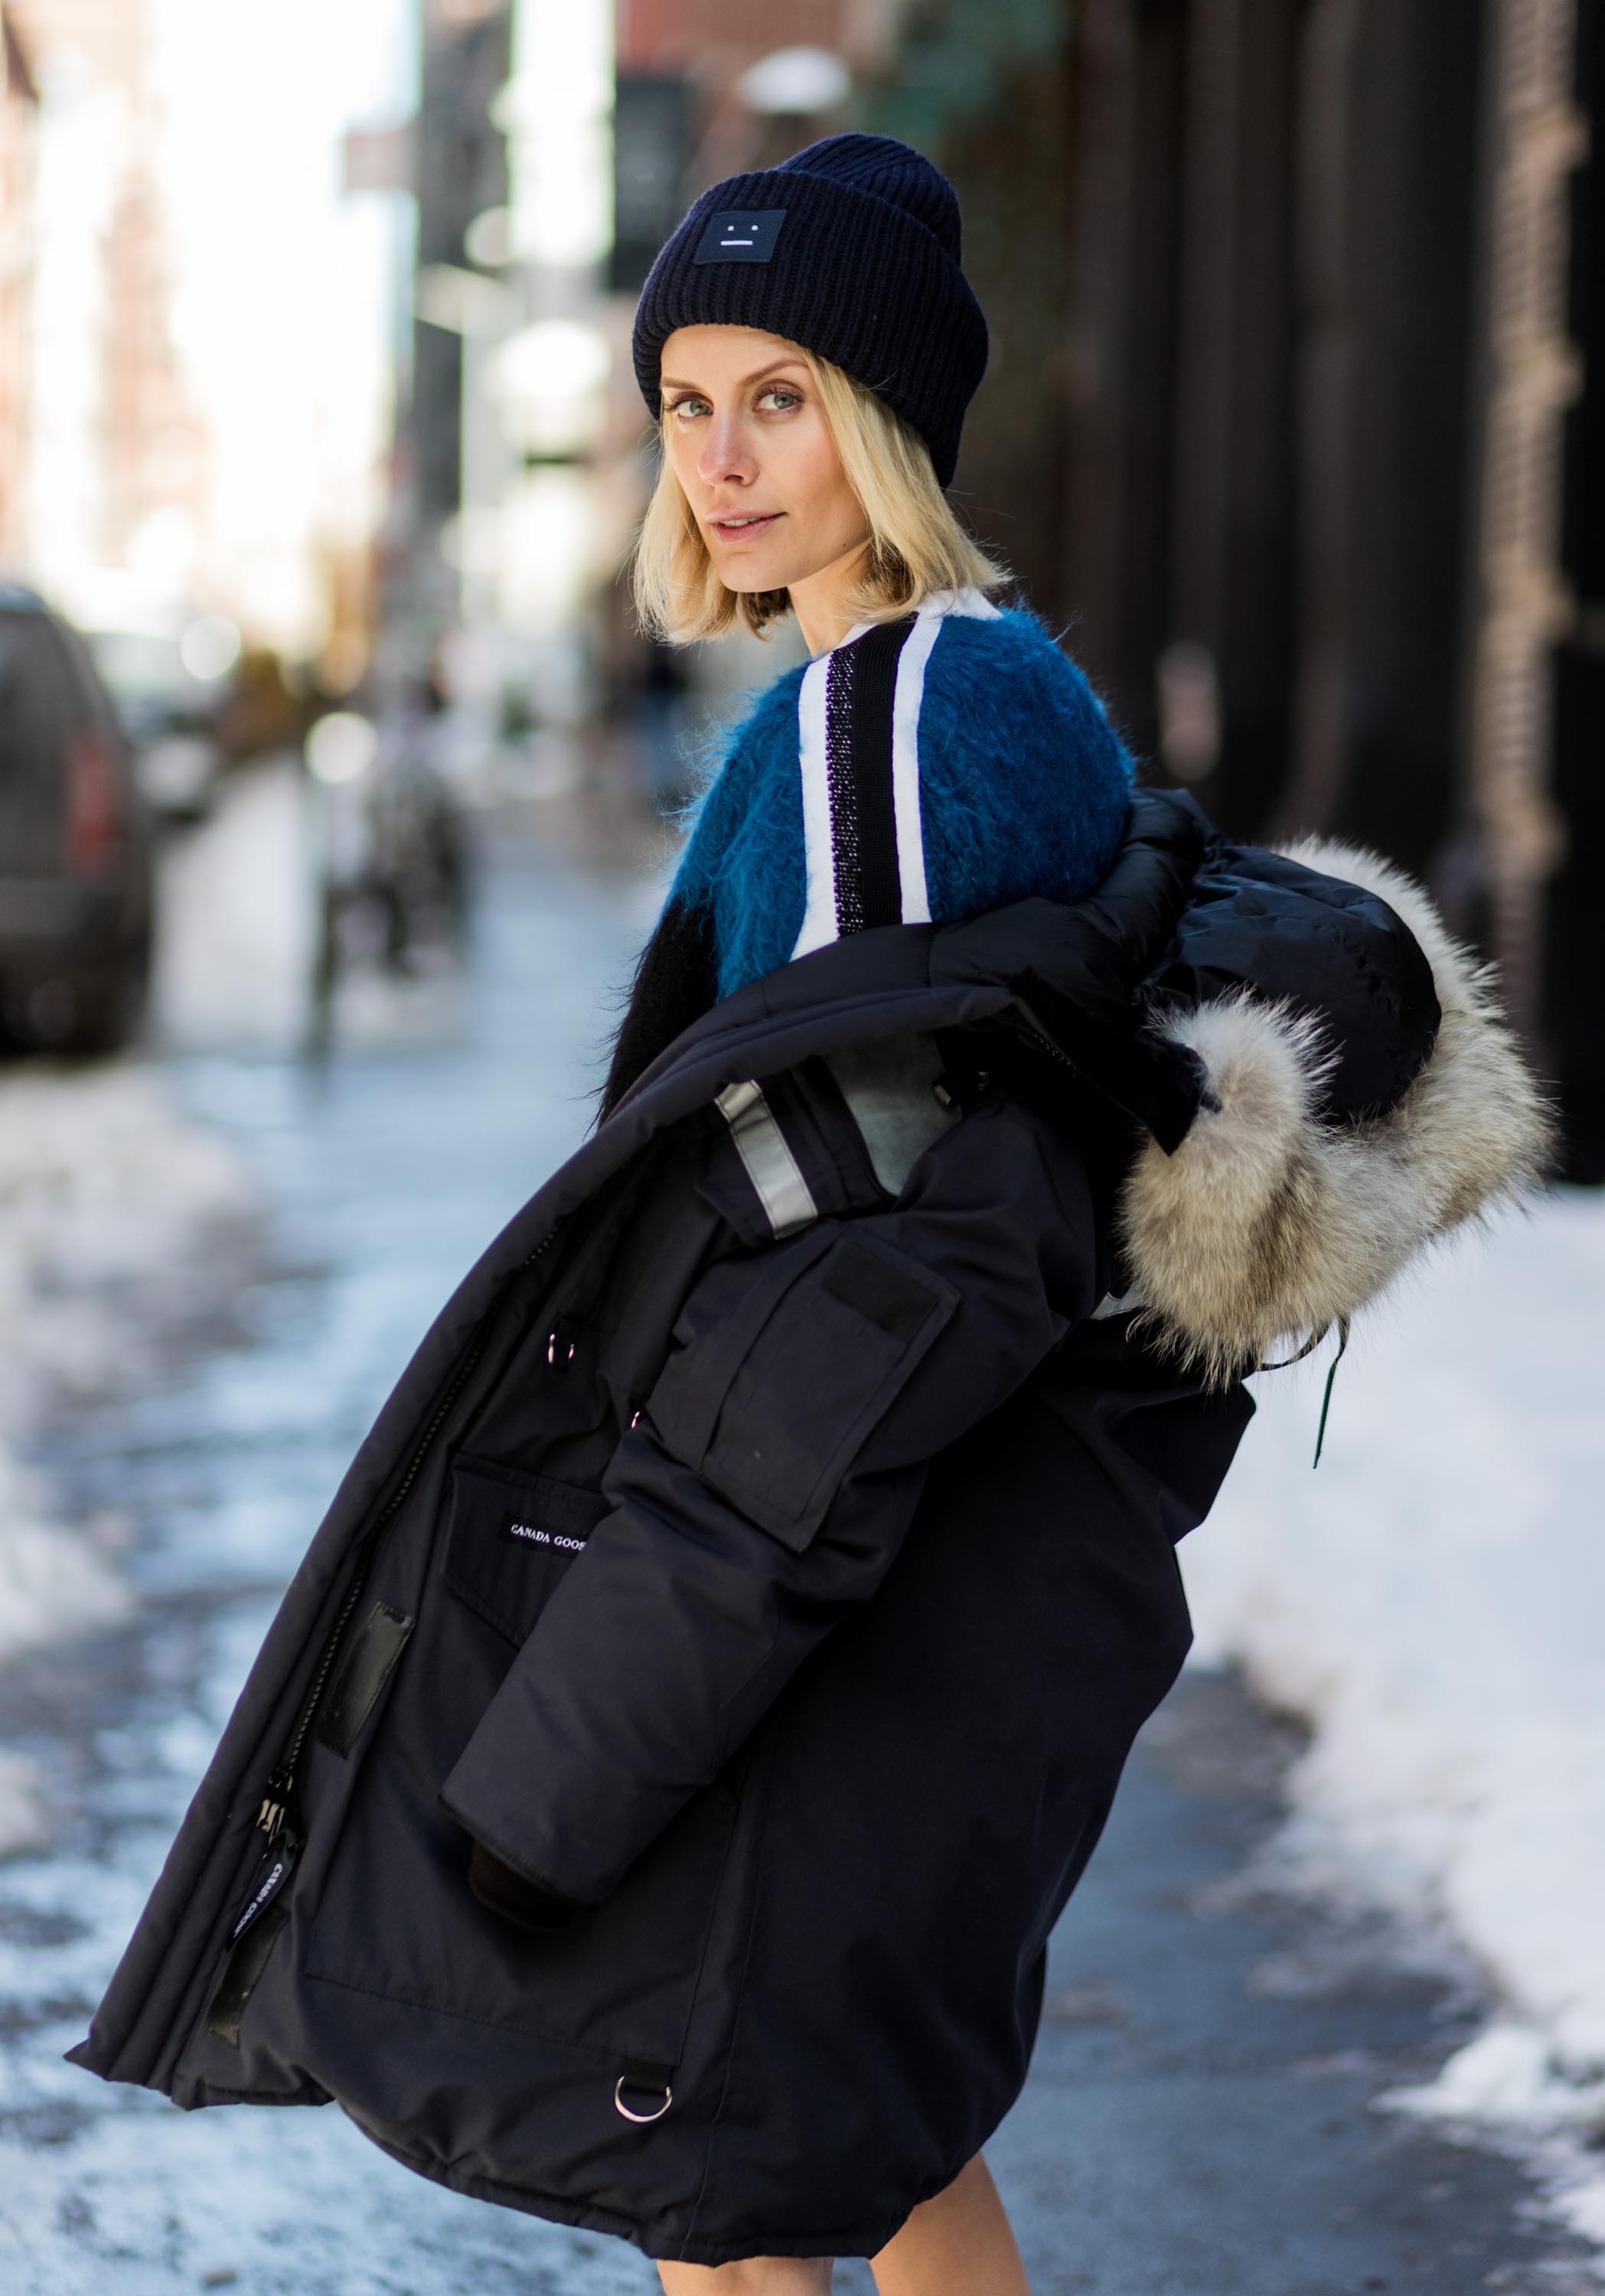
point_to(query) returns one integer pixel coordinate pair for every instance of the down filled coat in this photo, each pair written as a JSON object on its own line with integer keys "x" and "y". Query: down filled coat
{"x": 767, "y": 1559}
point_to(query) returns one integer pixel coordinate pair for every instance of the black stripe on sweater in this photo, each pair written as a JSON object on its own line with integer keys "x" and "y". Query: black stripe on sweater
{"x": 861, "y": 687}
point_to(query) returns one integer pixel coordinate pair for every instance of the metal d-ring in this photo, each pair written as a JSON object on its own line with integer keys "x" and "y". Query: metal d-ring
{"x": 621, "y": 2106}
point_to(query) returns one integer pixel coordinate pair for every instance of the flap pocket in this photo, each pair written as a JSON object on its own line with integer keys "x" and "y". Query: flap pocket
{"x": 509, "y": 1539}
{"x": 827, "y": 1334}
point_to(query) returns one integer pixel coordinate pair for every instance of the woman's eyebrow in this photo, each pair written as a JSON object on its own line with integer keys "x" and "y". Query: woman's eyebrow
{"x": 672, "y": 382}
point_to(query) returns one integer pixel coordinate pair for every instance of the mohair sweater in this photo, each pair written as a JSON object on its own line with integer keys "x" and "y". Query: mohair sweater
{"x": 1022, "y": 789}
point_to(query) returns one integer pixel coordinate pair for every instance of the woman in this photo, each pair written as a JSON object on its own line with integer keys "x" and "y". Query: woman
{"x": 652, "y": 1805}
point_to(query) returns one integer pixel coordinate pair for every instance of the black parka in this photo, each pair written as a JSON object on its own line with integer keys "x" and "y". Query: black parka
{"x": 772, "y": 1567}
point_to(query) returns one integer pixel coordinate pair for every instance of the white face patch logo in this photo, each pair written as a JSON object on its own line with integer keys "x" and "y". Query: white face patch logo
{"x": 740, "y": 235}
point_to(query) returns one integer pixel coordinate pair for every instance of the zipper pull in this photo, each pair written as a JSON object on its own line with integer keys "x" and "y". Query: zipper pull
{"x": 278, "y": 1864}
{"x": 275, "y": 1804}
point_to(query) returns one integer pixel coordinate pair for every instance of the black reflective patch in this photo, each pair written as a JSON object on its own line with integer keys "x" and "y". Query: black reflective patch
{"x": 896, "y": 1303}
{"x": 740, "y": 235}
{"x": 363, "y": 1677}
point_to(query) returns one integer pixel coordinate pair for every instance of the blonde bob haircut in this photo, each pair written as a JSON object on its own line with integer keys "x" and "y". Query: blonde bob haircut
{"x": 916, "y": 545}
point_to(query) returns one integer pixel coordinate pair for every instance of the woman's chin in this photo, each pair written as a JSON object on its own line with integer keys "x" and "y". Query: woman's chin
{"x": 748, "y": 575}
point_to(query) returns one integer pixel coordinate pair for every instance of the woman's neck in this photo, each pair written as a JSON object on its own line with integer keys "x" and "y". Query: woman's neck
{"x": 820, "y": 601}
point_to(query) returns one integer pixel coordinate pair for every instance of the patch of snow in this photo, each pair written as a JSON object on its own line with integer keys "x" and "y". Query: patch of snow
{"x": 53, "y": 1581}
{"x": 22, "y": 1824}
{"x": 1432, "y": 1602}
{"x": 1506, "y": 2074}
{"x": 1506, "y": 2083}
{"x": 111, "y": 1208}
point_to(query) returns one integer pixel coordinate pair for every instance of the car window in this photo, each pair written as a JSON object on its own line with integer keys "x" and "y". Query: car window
{"x": 37, "y": 712}
{"x": 94, "y": 701}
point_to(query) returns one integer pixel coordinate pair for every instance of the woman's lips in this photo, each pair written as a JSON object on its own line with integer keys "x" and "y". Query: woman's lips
{"x": 745, "y": 526}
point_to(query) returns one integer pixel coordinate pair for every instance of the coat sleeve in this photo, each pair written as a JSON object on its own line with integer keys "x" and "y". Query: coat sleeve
{"x": 768, "y": 1487}
{"x": 1308, "y": 930}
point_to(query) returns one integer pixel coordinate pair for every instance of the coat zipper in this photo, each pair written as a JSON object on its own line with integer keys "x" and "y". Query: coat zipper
{"x": 277, "y": 1804}
{"x": 276, "y": 1816}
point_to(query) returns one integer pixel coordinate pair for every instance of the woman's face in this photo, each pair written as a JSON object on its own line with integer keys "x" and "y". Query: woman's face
{"x": 748, "y": 442}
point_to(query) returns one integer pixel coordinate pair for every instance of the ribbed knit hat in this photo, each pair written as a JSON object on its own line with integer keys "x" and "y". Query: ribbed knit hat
{"x": 850, "y": 249}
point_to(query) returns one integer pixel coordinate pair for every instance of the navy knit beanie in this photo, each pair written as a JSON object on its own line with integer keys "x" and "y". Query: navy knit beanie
{"x": 850, "y": 249}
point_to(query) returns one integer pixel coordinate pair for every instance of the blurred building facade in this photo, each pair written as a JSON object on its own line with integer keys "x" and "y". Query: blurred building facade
{"x": 18, "y": 158}
{"x": 709, "y": 88}
{"x": 108, "y": 451}
{"x": 454, "y": 163}
{"x": 1293, "y": 420}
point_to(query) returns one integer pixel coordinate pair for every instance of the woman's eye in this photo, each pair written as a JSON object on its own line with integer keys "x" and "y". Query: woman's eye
{"x": 781, "y": 398}
{"x": 682, "y": 409}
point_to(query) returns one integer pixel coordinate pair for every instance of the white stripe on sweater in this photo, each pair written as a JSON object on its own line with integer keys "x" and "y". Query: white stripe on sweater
{"x": 819, "y": 924}
{"x": 906, "y": 766}
{"x": 819, "y": 915}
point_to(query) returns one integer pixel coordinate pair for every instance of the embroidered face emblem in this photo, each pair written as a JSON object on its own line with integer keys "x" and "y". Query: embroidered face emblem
{"x": 740, "y": 235}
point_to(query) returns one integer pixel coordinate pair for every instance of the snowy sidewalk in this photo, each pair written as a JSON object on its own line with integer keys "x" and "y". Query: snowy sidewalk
{"x": 1432, "y": 1600}
{"x": 115, "y": 1213}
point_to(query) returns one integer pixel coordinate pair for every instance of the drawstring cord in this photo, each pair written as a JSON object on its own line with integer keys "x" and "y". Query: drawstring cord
{"x": 1326, "y": 1400}
{"x": 1309, "y": 1347}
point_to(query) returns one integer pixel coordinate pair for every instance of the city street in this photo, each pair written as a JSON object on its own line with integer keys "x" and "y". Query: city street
{"x": 1202, "y": 2119}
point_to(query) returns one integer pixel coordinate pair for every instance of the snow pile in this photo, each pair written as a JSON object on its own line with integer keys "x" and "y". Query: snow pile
{"x": 109, "y": 1200}
{"x": 22, "y": 1824}
{"x": 1432, "y": 1600}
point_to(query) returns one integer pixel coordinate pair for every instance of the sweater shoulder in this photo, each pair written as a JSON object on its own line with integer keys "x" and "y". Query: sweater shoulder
{"x": 1010, "y": 659}
{"x": 1024, "y": 783}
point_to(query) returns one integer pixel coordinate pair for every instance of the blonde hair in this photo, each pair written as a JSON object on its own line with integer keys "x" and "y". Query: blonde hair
{"x": 916, "y": 545}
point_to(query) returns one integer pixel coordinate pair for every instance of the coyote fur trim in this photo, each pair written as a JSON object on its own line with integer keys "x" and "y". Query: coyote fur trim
{"x": 1269, "y": 1222}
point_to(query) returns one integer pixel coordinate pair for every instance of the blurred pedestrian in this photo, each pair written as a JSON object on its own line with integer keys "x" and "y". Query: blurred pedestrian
{"x": 698, "y": 1706}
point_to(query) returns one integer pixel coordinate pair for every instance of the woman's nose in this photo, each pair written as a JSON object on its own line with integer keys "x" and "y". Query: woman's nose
{"x": 725, "y": 455}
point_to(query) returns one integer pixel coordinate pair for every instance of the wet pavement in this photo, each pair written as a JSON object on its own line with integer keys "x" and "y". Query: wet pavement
{"x": 1202, "y": 2116}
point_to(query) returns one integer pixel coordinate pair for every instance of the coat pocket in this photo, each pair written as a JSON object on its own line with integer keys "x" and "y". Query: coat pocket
{"x": 396, "y": 1918}
{"x": 509, "y": 1539}
{"x": 787, "y": 1362}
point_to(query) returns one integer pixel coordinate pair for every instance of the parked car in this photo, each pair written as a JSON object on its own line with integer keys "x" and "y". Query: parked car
{"x": 75, "y": 847}
{"x": 169, "y": 708}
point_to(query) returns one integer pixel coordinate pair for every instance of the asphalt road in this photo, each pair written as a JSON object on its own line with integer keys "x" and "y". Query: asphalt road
{"x": 1202, "y": 2118}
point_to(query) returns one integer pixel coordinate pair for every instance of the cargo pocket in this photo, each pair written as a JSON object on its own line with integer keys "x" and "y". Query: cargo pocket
{"x": 787, "y": 1362}
{"x": 509, "y": 1538}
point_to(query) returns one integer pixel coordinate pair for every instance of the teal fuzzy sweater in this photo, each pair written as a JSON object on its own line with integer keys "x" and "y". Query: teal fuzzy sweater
{"x": 1008, "y": 782}
{"x": 1023, "y": 791}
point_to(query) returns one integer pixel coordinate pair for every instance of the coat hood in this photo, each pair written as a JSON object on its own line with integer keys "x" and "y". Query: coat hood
{"x": 1275, "y": 1217}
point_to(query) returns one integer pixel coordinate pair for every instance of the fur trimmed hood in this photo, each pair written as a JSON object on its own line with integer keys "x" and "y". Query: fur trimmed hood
{"x": 1272, "y": 1219}
{"x": 1318, "y": 1076}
